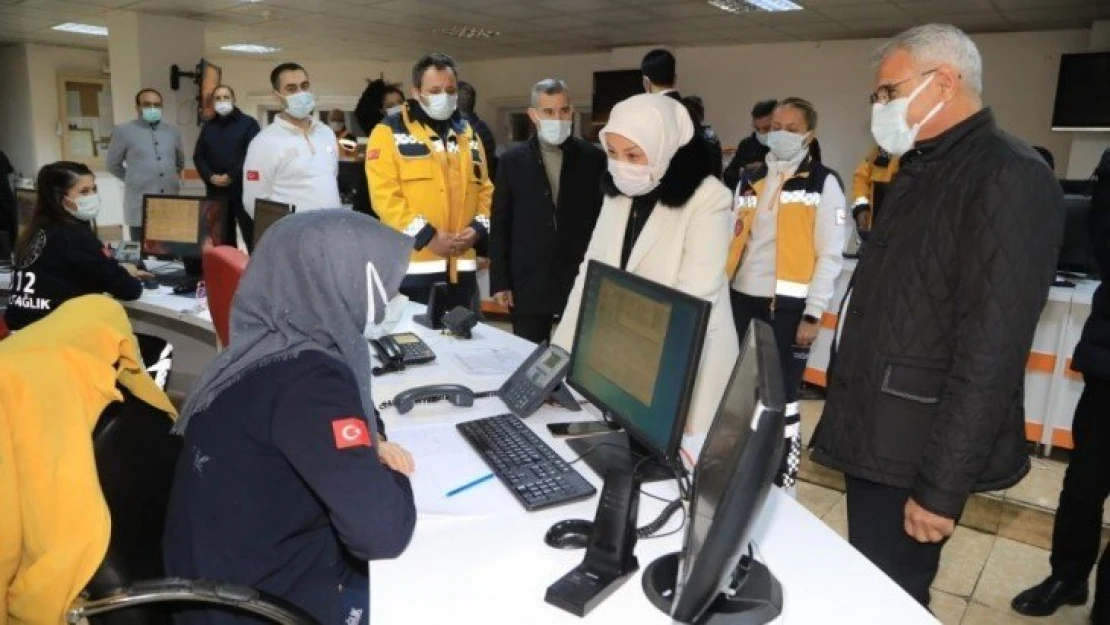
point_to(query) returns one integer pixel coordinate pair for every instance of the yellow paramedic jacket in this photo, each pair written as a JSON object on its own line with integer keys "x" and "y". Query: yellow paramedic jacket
{"x": 420, "y": 185}
{"x": 869, "y": 184}
{"x": 795, "y": 247}
{"x": 56, "y": 377}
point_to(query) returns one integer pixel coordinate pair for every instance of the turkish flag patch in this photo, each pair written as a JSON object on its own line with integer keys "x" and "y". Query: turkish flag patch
{"x": 350, "y": 432}
{"x": 373, "y": 155}
{"x": 253, "y": 175}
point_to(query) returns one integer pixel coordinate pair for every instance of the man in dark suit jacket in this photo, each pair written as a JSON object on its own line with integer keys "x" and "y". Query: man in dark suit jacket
{"x": 753, "y": 148}
{"x": 545, "y": 204}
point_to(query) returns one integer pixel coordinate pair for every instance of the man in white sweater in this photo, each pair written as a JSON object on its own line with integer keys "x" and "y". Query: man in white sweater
{"x": 786, "y": 254}
{"x": 294, "y": 160}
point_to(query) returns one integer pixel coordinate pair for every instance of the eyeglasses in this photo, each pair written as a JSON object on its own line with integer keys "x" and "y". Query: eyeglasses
{"x": 886, "y": 93}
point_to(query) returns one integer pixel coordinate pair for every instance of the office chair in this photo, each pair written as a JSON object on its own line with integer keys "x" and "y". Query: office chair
{"x": 4, "y": 331}
{"x": 135, "y": 459}
{"x": 223, "y": 266}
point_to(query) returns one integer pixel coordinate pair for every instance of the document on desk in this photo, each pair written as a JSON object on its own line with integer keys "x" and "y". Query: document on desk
{"x": 444, "y": 462}
{"x": 488, "y": 361}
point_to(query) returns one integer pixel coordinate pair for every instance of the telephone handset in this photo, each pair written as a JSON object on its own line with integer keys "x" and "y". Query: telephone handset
{"x": 455, "y": 393}
{"x": 396, "y": 351}
{"x": 539, "y": 378}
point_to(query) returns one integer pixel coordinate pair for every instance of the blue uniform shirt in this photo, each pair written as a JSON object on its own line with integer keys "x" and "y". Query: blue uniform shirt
{"x": 279, "y": 488}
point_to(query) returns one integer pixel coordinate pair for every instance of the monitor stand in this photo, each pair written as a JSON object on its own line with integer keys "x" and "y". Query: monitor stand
{"x": 756, "y": 598}
{"x": 616, "y": 449}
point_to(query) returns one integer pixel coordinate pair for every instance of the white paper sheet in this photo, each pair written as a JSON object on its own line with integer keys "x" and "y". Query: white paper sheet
{"x": 444, "y": 461}
{"x": 488, "y": 361}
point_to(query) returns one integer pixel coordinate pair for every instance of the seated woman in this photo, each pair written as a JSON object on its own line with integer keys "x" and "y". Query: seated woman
{"x": 665, "y": 218}
{"x": 58, "y": 257}
{"x": 286, "y": 483}
{"x": 791, "y": 218}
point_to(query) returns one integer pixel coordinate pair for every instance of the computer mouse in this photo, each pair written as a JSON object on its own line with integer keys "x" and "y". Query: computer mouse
{"x": 182, "y": 289}
{"x": 569, "y": 534}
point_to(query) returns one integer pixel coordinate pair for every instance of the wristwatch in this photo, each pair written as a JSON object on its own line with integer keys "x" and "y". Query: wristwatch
{"x": 810, "y": 319}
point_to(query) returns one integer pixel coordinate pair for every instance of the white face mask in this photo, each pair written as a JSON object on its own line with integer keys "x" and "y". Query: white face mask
{"x": 761, "y": 137}
{"x": 631, "y": 179}
{"x": 394, "y": 309}
{"x": 440, "y": 106}
{"x": 554, "y": 131}
{"x": 395, "y": 109}
{"x": 224, "y": 108}
{"x": 786, "y": 145}
{"x": 889, "y": 126}
{"x": 337, "y": 126}
{"x": 87, "y": 207}
{"x": 300, "y": 104}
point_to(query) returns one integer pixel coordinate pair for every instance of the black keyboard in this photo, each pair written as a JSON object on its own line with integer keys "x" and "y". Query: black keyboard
{"x": 531, "y": 470}
{"x": 175, "y": 280}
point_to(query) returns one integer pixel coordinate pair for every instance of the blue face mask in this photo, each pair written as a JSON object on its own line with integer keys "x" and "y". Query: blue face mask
{"x": 299, "y": 105}
{"x": 152, "y": 115}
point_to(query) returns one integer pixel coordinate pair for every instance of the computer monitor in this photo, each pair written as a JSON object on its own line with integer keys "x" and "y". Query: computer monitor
{"x": 178, "y": 227}
{"x": 1077, "y": 252}
{"x": 266, "y": 213}
{"x": 735, "y": 471}
{"x": 635, "y": 356}
{"x": 25, "y": 201}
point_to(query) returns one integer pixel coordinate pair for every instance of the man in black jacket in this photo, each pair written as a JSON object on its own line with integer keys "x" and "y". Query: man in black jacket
{"x": 7, "y": 202}
{"x": 545, "y": 204}
{"x": 752, "y": 149}
{"x": 1078, "y": 527}
{"x": 468, "y": 99}
{"x": 219, "y": 155}
{"x": 925, "y": 404}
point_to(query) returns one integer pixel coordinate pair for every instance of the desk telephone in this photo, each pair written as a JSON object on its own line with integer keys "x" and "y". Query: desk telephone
{"x": 397, "y": 351}
{"x": 533, "y": 383}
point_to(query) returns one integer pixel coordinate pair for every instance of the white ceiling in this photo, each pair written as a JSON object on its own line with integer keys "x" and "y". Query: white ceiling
{"x": 402, "y": 29}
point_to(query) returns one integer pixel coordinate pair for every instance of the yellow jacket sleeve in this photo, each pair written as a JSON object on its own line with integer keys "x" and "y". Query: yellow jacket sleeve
{"x": 383, "y": 173}
{"x": 861, "y": 181}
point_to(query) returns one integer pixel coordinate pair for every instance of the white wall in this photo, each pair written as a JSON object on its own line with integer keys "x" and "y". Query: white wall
{"x": 16, "y": 138}
{"x": 44, "y": 63}
{"x": 1020, "y": 72}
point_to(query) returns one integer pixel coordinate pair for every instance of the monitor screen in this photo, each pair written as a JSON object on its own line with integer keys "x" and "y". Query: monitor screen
{"x": 25, "y": 200}
{"x": 1083, "y": 92}
{"x": 266, "y": 213}
{"x": 733, "y": 475}
{"x": 1077, "y": 250}
{"x": 636, "y": 354}
{"x": 178, "y": 227}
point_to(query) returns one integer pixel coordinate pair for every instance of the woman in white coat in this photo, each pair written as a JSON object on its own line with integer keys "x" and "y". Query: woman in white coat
{"x": 667, "y": 219}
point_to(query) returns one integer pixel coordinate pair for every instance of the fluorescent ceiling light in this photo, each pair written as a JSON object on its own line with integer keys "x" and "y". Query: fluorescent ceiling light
{"x": 250, "y": 48}
{"x": 467, "y": 32}
{"x": 744, "y": 6}
{"x": 82, "y": 29}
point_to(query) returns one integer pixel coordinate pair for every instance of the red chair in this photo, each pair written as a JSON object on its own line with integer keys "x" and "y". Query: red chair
{"x": 4, "y": 332}
{"x": 223, "y": 266}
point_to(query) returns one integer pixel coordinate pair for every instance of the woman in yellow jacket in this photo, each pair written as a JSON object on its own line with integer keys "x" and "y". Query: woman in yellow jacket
{"x": 786, "y": 252}
{"x": 869, "y": 185}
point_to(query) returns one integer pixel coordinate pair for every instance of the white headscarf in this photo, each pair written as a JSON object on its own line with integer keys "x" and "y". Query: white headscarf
{"x": 657, "y": 123}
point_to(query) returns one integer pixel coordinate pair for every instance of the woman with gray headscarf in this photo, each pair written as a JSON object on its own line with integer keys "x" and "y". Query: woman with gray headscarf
{"x": 284, "y": 484}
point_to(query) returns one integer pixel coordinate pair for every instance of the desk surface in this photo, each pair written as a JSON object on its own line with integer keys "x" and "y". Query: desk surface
{"x": 479, "y": 557}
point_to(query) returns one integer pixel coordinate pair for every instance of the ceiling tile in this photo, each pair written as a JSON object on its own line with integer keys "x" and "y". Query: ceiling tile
{"x": 943, "y": 9}
{"x": 863, "y": 11}
{"x": 723, "y": 22}
{"x": 1006, "y": 5}
{"x": 685, "y": 10}
{"x": 514, "y": 11}
{"x": 827, "y": 30}
{"x": 618, "y": 17}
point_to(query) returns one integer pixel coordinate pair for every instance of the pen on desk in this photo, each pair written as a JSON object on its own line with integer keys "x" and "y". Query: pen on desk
{"x": 456, "y": 491}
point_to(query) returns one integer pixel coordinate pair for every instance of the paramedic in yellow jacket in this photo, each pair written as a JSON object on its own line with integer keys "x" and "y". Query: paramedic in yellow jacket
{"x": 786, "y": 252}
{"x": 869, "y": 187}
{"x": 428, "y": 179}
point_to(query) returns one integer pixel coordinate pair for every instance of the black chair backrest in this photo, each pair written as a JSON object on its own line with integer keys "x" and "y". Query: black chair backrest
{"x": 135, "y": 460}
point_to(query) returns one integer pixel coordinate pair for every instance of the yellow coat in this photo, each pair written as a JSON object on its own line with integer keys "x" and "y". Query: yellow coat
{"x": 869, "y": 183}
{"x": 415, "y": 181}
{"x": 56, "y": 377}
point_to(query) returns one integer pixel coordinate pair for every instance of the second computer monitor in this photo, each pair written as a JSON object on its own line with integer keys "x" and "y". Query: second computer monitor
{"x": 635, "y": 356}
{"x": 177, "y": 227}
{"x": 266, "y": 214}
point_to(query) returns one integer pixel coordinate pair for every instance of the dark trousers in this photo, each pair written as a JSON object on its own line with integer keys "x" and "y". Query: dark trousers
{"x": 535, "y": 328}
{"x": 876, "y": 521}
{"x": 784, "y": 321}
{"x": 418, "y": 288}
{"x": 784, "y": 318}
{"x": 1078, "y": 528}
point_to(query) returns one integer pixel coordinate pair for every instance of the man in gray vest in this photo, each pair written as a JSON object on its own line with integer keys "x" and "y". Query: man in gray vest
{"x": 146, "y": 154}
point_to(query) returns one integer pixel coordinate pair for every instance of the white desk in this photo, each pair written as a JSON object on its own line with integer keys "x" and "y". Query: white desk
{"x": 485, "y": 561}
